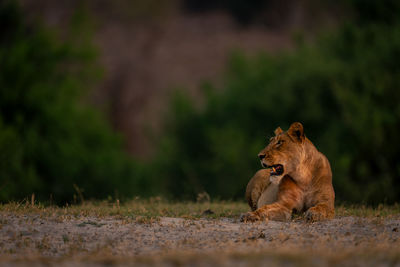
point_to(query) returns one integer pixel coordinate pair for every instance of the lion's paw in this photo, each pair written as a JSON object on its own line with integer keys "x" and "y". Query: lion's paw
{"x": 250, "y": 217}
{"x": 312, "y": 215}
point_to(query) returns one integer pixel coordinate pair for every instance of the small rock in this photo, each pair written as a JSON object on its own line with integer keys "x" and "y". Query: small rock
{"x": 261, "y": 235}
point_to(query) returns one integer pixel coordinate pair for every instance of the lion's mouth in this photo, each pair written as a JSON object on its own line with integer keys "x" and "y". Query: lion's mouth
{"x": 276, "y": 169}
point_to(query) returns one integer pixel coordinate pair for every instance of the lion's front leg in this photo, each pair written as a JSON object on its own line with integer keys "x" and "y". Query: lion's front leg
{"x": 320, "y": 212}
{"x": 289, "y": 198}
{"x": 324, "y": 205}
{"x": 256, "y": 187}
{"x": 251, "y": 216}
{"x": 275, "y": 212}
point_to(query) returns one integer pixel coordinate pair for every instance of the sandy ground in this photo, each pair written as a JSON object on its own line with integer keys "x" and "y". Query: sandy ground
{"x": 72, "y": 241}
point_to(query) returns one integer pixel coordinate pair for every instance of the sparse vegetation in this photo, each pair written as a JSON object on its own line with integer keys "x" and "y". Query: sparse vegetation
{"x": 157, "y": 207}
{"x": 150, "y": 208}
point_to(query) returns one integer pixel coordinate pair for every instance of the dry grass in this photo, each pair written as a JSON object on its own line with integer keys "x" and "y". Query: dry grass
{"x": 156, "y": 207}
{"x": 381, "y": 210}
{"x": 151, "y": 208}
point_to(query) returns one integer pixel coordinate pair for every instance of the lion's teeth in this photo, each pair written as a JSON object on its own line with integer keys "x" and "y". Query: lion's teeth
{"x": 273, "y": 169}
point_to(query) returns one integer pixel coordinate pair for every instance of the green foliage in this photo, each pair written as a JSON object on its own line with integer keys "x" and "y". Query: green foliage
{"x": 50, "y": 140}
{"x": 344, "y": 89}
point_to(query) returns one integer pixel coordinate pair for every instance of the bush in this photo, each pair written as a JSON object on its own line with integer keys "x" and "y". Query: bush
{"x": 50, "y": 140}
{"x": 344, "y": 89}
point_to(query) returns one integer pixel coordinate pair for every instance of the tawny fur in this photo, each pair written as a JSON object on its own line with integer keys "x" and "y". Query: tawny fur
{"x": 305, "y": 185}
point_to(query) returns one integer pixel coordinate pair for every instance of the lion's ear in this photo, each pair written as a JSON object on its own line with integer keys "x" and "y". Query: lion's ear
{"x": 278, "y": 131}
{"x": 296, "y": 131}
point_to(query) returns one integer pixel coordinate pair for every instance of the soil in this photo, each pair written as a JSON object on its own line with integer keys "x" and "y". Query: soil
{"x": 71, "y": 241}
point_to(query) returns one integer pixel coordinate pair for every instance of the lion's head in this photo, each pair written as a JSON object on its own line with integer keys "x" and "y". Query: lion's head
{"x": 285, "y": 152}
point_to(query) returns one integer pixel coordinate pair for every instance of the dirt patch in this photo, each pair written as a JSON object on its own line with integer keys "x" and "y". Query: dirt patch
{"x": 71, "y": 240}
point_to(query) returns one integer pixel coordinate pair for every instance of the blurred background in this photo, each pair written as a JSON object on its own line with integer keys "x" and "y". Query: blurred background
{"x": 117, "y": 99}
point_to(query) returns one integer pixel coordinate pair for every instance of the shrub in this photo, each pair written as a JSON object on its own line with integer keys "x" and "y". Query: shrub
{"x": 50, "y": 139}
{"x": 344, "y": 89}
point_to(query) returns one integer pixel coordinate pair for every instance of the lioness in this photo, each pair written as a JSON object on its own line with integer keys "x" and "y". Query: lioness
{"x": 297, "y": 178}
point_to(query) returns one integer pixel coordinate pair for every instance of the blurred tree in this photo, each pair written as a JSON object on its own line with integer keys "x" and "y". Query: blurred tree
{"x": 50, "y": 140}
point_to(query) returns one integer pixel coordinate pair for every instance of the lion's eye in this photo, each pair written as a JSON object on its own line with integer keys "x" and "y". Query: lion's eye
{"x": 280, "y": 142}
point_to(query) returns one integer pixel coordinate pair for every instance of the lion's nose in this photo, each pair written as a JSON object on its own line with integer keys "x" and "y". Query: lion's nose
{"x": 261, "y": 156}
